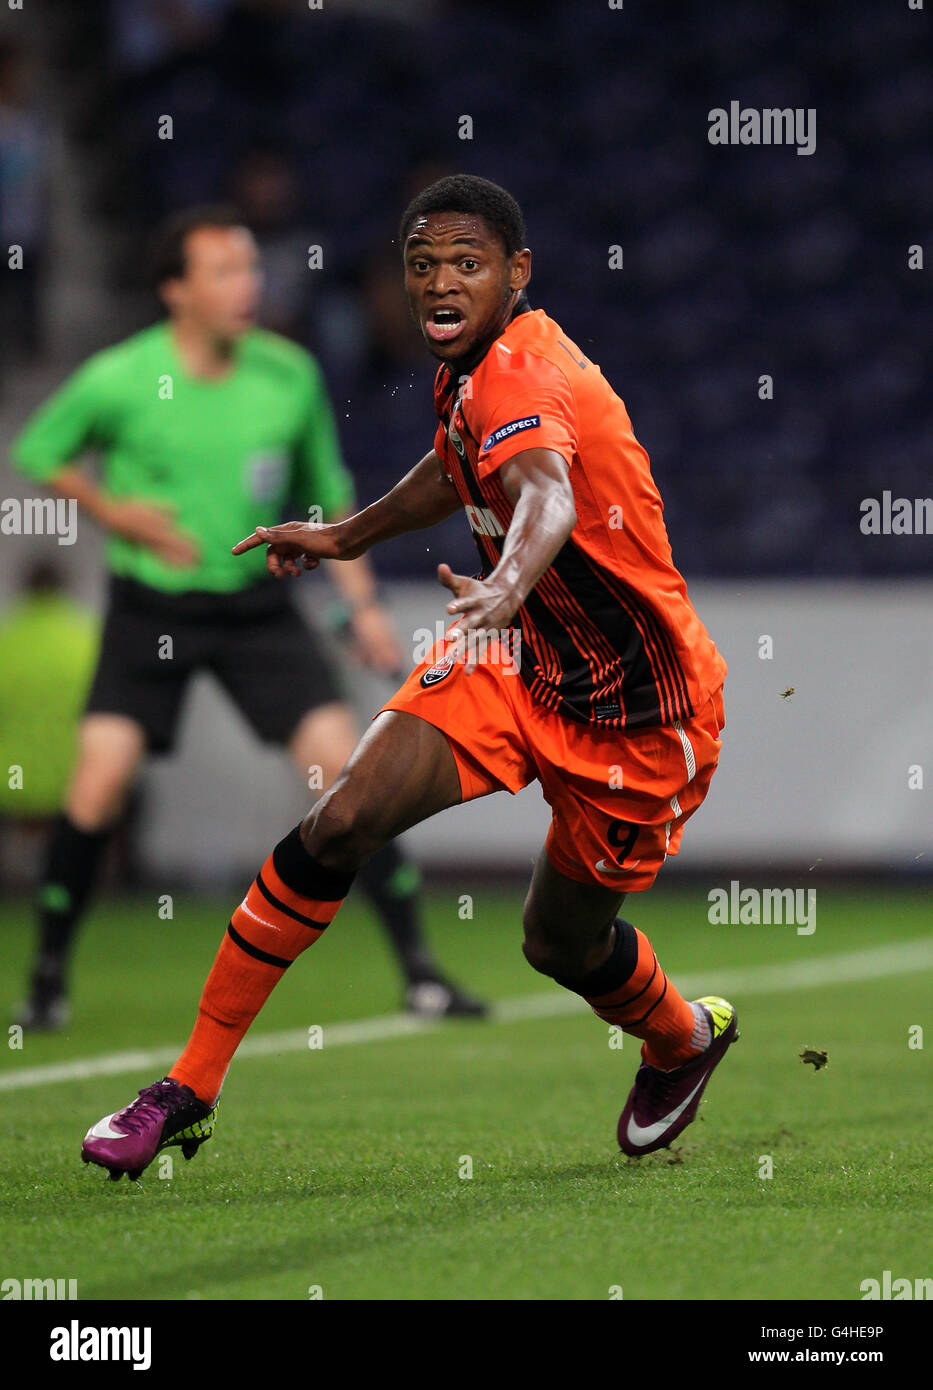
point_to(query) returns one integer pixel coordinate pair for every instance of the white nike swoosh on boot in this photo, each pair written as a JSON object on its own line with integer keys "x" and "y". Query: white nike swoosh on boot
{"x": 640, "y": 1136}
{"x": 104, "y": 1130}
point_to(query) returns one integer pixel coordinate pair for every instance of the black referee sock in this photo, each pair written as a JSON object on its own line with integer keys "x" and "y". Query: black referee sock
{"x": 71, "y": 865}
{"x": 392, "y": 884}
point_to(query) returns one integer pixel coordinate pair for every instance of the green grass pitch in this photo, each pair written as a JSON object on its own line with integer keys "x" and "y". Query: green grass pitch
{"x": 339, "y": 1168}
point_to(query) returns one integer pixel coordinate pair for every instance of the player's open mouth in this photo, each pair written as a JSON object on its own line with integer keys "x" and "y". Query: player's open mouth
{"x": 444, "y": 324}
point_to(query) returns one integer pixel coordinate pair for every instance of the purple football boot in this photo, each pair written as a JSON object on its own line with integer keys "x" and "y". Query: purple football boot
{"x": 662, "y": 1103}
{"x": 163, "y": 1114}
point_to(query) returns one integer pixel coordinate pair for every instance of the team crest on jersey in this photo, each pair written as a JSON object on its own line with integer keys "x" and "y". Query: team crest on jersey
{"x": 437, "y": 672}
{"x": 455, "y": 439}
{"x": 528, "y": 422}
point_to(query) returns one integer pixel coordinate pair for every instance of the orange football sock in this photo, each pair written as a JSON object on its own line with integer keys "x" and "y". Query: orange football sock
{"x": 289, "y": 904}
{"x": 631, "y": 991}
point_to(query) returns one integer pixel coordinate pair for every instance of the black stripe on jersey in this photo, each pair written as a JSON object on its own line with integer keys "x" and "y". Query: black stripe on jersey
{"x": 444, "y": 389}
{"x": 650, "y": 680}
{"x": 667, "y": 674}
{"x": 593, "y": 643}
{"x": 589, "y": 641}
{"x": 619, "y": 643}
{"x": 580, "y": 688}
{"x": 473, "y": 440}
{"x": 467, "y": 470}
{"x": 682, "y": 704}
{"x": 634, "y": 618}
{"x": 563, "y": 614}
{"x": 564, "y": 644}
{"x": 543, "y": 679}
{"x": 540, "y": 667}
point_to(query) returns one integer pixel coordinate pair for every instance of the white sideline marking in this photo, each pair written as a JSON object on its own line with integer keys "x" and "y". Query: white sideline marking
{"x": 899, "y": 959}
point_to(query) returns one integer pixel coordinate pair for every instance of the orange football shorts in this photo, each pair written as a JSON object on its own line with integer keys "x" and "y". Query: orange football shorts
{"x": 620, "y": 799}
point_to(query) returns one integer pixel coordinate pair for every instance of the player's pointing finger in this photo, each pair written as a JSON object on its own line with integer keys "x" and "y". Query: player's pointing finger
{"x": 248, "y": 543}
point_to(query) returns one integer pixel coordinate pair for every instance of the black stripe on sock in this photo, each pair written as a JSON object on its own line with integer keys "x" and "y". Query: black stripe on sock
{"x": 283, "y": 907}
{"x": 637, "y": 1022}
{"x": 624, "y": 1003}
{"x": 305, "y": 875}
{"x": 254, "y": 951}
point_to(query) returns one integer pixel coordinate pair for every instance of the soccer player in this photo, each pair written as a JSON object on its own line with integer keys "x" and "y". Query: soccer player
{"x": 203, "y": 421}
{"x": 609, "y": 694}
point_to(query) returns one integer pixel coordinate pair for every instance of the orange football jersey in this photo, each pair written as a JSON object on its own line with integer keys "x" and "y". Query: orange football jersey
{"x": 608, "y": 634}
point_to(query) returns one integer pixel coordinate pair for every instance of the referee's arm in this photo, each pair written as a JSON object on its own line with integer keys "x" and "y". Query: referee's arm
{"x": 72, "y": 421}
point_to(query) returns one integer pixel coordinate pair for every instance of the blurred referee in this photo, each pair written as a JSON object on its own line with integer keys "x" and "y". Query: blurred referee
{"x": 205, "y": 425}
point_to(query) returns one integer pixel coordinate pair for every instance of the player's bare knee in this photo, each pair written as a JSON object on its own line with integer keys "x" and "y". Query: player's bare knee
{"x": 340, "y": 833}
{"x": 550, "y": 948}
{"x": 535, "y": 946}
{"x": 326, "y": 831}
{"x": 536, "y": 954}
{"x": 547, "y": 955}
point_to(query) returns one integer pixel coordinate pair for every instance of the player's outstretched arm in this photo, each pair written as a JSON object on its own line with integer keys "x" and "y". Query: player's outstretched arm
{"x": 538, "y": 483}
{"x": 421, "y": 499}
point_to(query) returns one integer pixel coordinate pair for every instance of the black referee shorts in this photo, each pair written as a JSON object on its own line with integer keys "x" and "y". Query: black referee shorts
{"x": 254, "y": 642}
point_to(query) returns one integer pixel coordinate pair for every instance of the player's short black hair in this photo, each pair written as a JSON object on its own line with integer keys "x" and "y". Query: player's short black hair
{"x": 167, "y": 255}
{"x": 469, "y": 193}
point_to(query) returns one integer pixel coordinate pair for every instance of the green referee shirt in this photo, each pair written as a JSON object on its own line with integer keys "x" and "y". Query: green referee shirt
{"x": 228, "y": 455}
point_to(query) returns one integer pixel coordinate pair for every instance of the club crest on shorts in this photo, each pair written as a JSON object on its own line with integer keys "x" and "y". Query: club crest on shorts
{"x": 437, "y": 672}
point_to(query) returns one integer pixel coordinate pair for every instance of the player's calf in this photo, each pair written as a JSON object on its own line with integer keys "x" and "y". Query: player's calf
{"x": 568, "y": 926}
{"x": 562, "y": 959}
{"x": 682, "y": 1041}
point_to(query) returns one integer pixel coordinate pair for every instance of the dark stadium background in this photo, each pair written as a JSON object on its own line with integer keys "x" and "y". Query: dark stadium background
{"x": 736, "y": 260}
